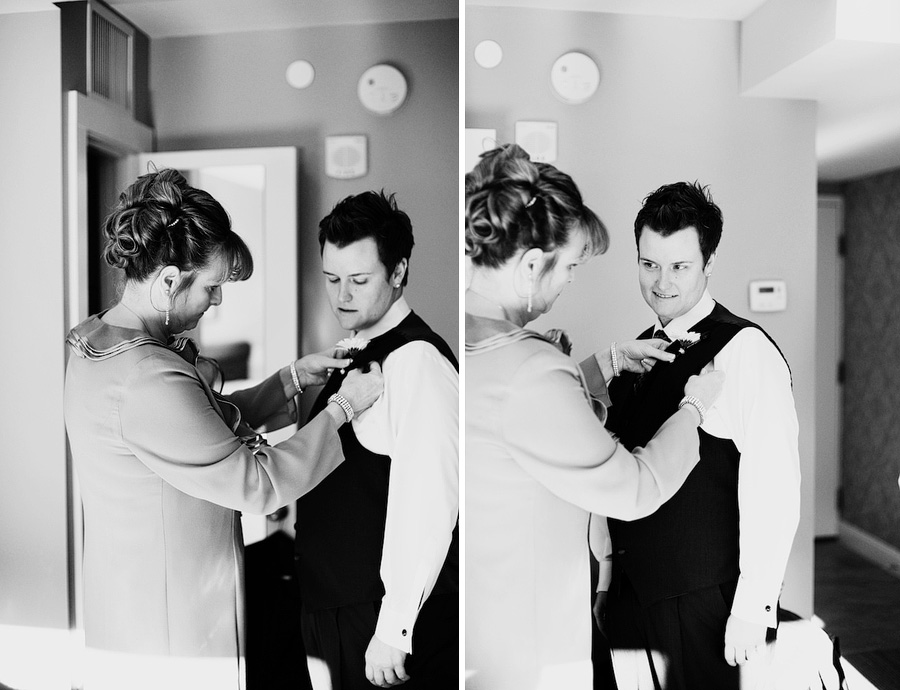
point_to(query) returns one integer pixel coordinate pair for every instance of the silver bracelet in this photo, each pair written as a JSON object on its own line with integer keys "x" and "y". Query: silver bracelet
{"x": 344, "y": 403}
{"x": 615, "y": 359}
{"x": 691, "y": 400}
{"x": 296, "y": 378}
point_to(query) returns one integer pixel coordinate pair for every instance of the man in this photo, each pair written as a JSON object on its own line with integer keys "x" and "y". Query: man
{"x": 377, "y": 540}
{"x": 695, "y": 586}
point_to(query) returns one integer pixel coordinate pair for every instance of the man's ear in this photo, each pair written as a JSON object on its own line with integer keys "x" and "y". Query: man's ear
{"x": 708, "y": 269}
{"x": 399, "y": 272}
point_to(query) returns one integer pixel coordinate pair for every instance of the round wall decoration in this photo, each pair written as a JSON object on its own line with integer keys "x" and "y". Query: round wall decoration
{"x": 575, "y": 77}
{"x": 382, "y": 89}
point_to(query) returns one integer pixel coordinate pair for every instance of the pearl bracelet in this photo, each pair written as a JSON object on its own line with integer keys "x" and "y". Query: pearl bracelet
{"x": 344, "y": 403}
{"x": 615, "y": 359}
{"x": 296, "y": 378}
{"x": 691, "y": 400}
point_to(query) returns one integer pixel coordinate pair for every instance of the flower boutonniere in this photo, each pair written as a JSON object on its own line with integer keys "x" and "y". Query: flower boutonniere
{"x": 561, "y": 339}
{"x": 352, "y": 346}
{"x": 685, "y": 340}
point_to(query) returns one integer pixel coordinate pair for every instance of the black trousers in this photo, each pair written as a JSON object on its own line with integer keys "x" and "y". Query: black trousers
{"x": 340, "y": 636}
{"x": 604, "y": 677}
{"x": 275, "y": 656}
{"x": 687, "y": 630}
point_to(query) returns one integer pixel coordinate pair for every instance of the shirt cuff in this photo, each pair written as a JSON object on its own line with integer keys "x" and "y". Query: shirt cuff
{"x": 756, "y": 603}
{"x": 605, "y": 576}
{"x": 395, "y": 629}
{"x": 596, "y": 384}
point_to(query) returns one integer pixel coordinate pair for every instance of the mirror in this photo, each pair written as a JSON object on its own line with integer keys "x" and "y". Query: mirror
{"x": 232, "y": 333}
{"x": 254, "y": 331}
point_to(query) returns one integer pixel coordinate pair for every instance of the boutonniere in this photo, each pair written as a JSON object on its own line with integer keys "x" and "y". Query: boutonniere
{"x": 352, "y": 346}
{"x": 685, "y": 340}
{"x": 561, "y": 339}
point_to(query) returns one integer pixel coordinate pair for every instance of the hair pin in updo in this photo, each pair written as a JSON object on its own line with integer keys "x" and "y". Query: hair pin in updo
{"x": 530, "y": 202}
{"x": 173, "y": 222}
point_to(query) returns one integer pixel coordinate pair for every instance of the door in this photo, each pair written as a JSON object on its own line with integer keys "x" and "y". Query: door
{"x": 829, "y": 334}
{"x": 105, "y": 150}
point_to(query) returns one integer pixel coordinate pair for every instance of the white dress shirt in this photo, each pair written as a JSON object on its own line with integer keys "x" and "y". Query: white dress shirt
{"x": 756, "y": 411}
{"x": 416, "y": 423}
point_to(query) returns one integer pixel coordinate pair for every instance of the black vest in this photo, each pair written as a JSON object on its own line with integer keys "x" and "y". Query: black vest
{"x": 691, "y": 542}
{"x": 340, "y": 523}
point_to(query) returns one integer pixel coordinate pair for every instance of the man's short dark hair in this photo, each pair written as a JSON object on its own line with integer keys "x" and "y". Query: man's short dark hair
{"x": 370, "y": 214}
{"x": 680, "y": 205}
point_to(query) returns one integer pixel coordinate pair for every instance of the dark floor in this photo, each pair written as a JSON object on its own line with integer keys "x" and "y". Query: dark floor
{"x": 859, "y": 603}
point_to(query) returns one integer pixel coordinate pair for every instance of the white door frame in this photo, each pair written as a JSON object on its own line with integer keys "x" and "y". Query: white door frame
{"x": 88, "y": 122}
{"x": 829, "y": 352}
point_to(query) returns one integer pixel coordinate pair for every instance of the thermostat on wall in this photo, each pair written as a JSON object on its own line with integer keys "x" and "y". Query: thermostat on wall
{"x": 768, "y": 295}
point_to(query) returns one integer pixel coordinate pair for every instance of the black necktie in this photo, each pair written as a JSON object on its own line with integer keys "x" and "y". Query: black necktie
{"x": 660, "y": 333}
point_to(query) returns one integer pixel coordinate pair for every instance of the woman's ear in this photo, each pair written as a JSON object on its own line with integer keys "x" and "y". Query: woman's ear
{"x": 528, "y": 269}
{"x": 169, "y": 279}
{"x": 532, "y": 260}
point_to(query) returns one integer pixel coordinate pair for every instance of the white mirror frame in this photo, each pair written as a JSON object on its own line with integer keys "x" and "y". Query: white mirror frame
{"x": 277, "y": 267}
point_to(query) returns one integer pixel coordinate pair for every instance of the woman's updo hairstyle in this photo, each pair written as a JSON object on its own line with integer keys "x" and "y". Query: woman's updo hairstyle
{"x": 513, "y": 204}
{"x": 160, "y": 220}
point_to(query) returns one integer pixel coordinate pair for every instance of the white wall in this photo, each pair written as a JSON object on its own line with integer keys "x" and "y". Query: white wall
{"x": 668, "y": 108}
{"x": 412, "y": 152}
{"x": 33, "y": 513}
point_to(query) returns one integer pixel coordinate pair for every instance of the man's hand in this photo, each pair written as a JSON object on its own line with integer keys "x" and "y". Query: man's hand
{"x": 385, "y": 664}
{"x": 600, "y": 610}
{"x": 744, "y": 641}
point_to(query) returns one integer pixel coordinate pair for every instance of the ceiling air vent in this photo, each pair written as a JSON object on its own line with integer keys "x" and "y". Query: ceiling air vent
{"x": 111, "y": 57}
{"x": 98, "y": 57}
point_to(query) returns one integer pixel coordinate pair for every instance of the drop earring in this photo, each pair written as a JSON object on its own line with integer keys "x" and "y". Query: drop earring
{"x": 530, "y": 288}
{"x": 168, "y": 306}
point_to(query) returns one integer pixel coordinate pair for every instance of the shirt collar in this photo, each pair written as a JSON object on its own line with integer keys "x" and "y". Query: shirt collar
{"x": 682, "y": 324}
{"x": 398, "y": 311}
{"x": 96, "y": 340}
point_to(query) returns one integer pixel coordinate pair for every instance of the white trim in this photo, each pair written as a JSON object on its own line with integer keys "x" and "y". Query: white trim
{"x": 872, "y": 548}
{"x": 87, "y": 122}
{"x": 829, "y": 352}
{"x": 277, "y": 265}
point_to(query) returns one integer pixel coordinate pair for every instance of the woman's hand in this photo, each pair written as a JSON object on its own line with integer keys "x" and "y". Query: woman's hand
{"x": 362, "y": 389}
{"x": 706, "y": 387}
{"x": 315, "y": 369}
{"x": 639, "y": 356}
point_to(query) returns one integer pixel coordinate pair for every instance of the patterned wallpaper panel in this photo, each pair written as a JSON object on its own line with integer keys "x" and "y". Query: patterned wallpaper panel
{"x": 871, "y": 438}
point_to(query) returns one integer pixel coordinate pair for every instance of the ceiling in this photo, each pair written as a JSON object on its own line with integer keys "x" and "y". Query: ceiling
{"x": 855, "y": 79}
{"x": 169, "y": 18}
{"x": 696, "y": 9}
{"x": 856, "y": 83}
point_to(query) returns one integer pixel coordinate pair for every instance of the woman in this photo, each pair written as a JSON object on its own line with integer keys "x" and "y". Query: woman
{"x": 538, "y": 461}
{"x": 164, "y": 464}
